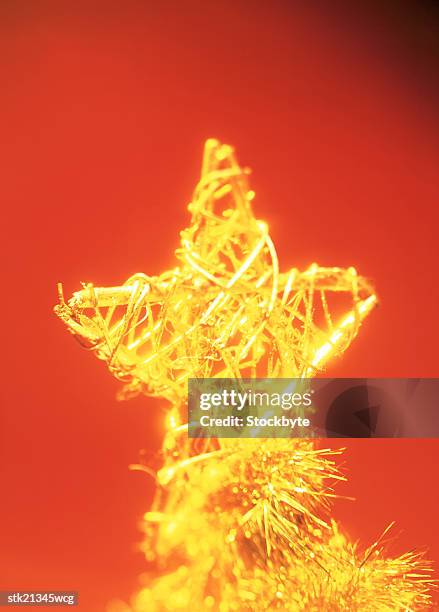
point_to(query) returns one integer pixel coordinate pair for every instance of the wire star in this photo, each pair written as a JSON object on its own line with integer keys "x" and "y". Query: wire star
{"x": 226, "y": 310}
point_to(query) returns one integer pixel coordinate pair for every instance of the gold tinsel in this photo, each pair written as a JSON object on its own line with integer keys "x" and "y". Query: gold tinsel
{"x": 240, "y": 524}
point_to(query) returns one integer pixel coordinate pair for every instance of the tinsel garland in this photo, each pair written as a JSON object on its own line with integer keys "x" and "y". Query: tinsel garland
{"x": 240, "y": 524}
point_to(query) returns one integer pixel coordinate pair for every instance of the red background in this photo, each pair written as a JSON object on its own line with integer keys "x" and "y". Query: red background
{"x": 104, "y": 110}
